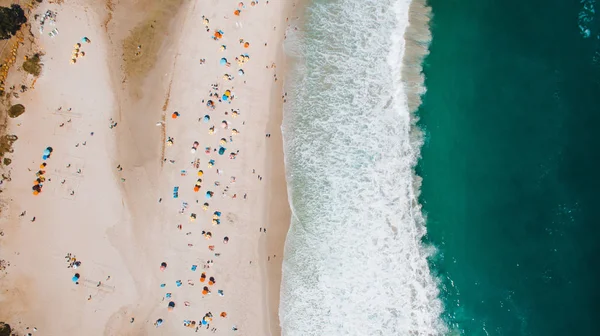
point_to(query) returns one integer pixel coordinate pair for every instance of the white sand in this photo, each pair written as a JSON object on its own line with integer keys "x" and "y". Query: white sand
{"x": 119, "y": 229}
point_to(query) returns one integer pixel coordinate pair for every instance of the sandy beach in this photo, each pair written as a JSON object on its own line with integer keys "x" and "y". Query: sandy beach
{"x": 162, "y": 153}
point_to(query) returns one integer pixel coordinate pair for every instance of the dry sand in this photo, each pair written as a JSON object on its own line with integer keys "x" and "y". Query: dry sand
{"x": 114, "y": 222}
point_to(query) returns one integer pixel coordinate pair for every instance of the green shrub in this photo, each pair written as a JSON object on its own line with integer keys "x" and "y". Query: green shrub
{"x": 5, "y": 329}
{"x": 33, "y": 65}
{"x": 16, "y": 110}
{"x": 11, "y": 19}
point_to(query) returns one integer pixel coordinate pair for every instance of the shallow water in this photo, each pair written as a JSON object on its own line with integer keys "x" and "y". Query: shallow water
{"x": 354, "y": 262}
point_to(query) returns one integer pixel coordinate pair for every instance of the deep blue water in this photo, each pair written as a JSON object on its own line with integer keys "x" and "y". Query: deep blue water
{"x": 510, "y": 165}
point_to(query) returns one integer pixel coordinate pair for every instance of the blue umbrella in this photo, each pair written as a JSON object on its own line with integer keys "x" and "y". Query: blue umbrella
{"x": 224, "y": 97}
{"x": 222, "y": 150}
{"x": 44, "y": 157}
{"x": 241, "y": 72}
{"x": 223, "y": 61}
{"x": 208, "y": 194}
{"x": 47, "y": 152}
{"x": 206, "y": 118}
{"x": 75, "y": 277}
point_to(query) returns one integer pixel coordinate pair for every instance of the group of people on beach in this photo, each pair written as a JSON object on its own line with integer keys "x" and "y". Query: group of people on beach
{"x": 218, "y": 148}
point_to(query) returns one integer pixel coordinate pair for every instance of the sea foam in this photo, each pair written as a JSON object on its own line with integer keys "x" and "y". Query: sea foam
{"x": 354, "y": 261}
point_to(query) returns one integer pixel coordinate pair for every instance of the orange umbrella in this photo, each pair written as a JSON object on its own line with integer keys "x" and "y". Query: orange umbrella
{"x": 246, "y": 45}
{"x": 196, "y": 188}
{"x": 35, "y": 192}
{"x": 223, "y": 314}
{"x": 237, "y": 12}
{"x": 204, "y": 292}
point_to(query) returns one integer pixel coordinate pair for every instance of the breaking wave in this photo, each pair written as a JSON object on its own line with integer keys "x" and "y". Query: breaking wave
{"x": 354, "y": 260}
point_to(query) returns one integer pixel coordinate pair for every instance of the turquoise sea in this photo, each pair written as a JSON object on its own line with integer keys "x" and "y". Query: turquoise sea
{"x": 479, "y": 219}
{"x": 510, "y": 165}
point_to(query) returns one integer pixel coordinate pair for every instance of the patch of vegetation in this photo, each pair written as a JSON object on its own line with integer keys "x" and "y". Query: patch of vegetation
{"x": 7, "y": 161}
{"x": 11, "y": 19}
{"x": 16, "y": 110}
{"x": 5, "y": 329}
{"x": 33, "y": 65}
{"x": 6, "y": 143}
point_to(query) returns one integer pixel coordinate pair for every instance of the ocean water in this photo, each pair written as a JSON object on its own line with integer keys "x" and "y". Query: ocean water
{"x": 510, "y": 165}
{"x": 354, "y": 259}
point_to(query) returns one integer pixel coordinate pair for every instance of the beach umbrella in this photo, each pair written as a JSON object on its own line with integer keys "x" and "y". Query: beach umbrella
{"x": 73, "y": 60}
{"x": 75, "y": 277}
{"x": 247, "y": 45}
{"x": 223, "y": 314}
{"x": 224, "y": 124}
{"x": 211, "y": 163}
{"x": 77, "y": 46}
{"x": 171, "y": 305}
{"x": 209, "y": 194}
{"x": 253, "y": 3}
{"x": 47, "y": 151}
{"x": 237, "y": 12}
{"x": 205, "y": 206}
{"x": 234, "y": 131}
{"x": 206, "y": 118}
{"x": 223, "y": 61}
{"x": 225, "y": 240}
{"x": 44, "y": 157}
{"x": 175, "y": 115}
{"x": 82, "y": 53}
{"x": 158, "y": 322}
{"x": 223, "y": 47}
{"x": 241, "y": 72}
{"x": 86, "y": 40}
{"x": 222, "y": 150}
{"x": 205, "y": 22}
{"x": 241, "y": 5}
{"x": 196, "y": 188}
{"x": 223, "y": 141}
{"x": 225, "y": 98}
{"x": 200, "y": 173}
{"x": 163, "y": 266}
